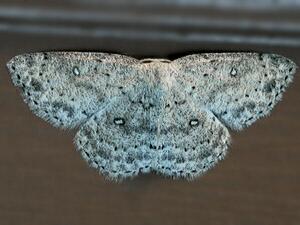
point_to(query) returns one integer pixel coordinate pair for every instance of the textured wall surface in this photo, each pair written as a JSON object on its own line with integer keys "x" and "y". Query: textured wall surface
{"x": 44, "y": 181}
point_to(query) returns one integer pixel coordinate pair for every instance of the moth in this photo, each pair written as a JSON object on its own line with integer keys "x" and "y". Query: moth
{"x": 137, "y": 116}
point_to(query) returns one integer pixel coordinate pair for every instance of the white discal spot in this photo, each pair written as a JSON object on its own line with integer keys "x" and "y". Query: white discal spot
{"x": 76, "y": 71}
{"x": 178, "y": 129}
{"x": 233, "y": 72}
{"x": 119, "y": 121}
{"x": 194, "y": 122}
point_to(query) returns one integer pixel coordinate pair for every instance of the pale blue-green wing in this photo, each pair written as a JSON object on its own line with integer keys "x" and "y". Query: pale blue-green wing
{"x": 65, "y": 88}
{"x": 238, "y": 88}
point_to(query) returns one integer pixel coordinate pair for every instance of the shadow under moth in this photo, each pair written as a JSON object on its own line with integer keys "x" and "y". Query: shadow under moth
{"x": 136, "y": 116}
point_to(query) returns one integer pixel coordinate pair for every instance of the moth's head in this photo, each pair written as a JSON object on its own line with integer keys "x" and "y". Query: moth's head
{"x": 157, "y": 61}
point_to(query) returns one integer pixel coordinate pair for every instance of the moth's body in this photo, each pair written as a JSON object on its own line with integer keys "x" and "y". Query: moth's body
{"x": 153, "y": 114}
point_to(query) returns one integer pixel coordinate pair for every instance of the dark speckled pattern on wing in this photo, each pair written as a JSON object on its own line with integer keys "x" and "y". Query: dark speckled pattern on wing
{"x": 137, "y": 116}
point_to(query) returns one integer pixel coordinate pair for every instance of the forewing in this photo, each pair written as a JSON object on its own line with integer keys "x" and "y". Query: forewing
{"x": 238, "y": 88}
{"x": 66, "y": 88}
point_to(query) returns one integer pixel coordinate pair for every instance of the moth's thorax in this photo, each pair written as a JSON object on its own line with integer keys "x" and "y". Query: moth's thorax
{"x": 159, "y": 71}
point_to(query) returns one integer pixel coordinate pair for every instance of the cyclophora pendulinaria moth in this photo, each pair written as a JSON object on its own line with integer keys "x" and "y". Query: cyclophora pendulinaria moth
{"x": 136, "y": 116}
